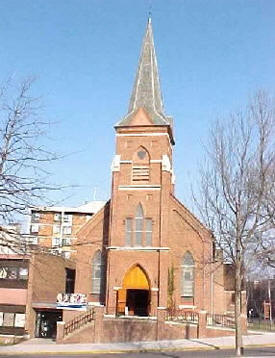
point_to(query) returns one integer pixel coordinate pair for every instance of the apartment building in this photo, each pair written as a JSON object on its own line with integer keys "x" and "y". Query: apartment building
{"x": 56, "y": 227}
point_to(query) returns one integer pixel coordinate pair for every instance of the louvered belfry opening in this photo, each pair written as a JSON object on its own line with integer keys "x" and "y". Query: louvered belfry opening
{"x": 141, "y": 166}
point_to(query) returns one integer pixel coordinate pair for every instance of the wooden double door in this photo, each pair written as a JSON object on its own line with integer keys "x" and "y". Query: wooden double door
{"x": 134, "y": 297}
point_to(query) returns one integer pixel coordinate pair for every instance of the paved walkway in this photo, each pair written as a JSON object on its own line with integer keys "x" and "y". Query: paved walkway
{"x": 48, "y": 346}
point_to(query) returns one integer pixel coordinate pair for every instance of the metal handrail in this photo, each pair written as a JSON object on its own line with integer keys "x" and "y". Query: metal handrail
{"x": 78, "y": 322}
{"x": 220, "y": 320}
{"x": 183, "y": 316}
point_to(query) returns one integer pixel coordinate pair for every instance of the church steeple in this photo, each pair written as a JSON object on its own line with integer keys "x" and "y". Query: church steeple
{"x": 146, "y": 92}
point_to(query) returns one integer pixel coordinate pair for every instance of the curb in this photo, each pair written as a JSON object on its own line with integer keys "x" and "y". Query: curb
{"x": 144, "y": 350}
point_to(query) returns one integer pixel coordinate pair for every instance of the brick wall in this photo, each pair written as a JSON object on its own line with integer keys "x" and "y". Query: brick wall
{"x": 47, "y": 278}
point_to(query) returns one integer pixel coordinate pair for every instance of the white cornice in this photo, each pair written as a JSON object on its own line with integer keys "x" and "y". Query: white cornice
{"x": 130, "y": 161}
{"x": 139, "y": 187}
{"x": 138, "y": 248}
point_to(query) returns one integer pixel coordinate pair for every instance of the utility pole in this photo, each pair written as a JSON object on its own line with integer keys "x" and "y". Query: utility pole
{"x": 270, "y": 302}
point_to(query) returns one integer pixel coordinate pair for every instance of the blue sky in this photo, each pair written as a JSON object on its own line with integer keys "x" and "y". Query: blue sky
{"x": 211, "y": 54}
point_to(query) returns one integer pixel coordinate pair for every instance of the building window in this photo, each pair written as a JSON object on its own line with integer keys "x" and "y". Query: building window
{"x": 138, "y": 231}
{"x": 56, "y": 251}
{"x": 67, "y": 218}
{"x": 67, "y": 230}
{"x": 56, "y": 241}
{"x": 97, "y": 271}
{"x": 23, "y": 273}
{"x": 33, "y": 240}
{"x": 57, "y": 217}
{"x": 8, "y": 319}
{"x": 19, "y": 320}
{"x": 139, "y": 225}
{"x": 66, "y": 254}
{"x": 187, "y": 279}
{"x": 13, "y": 273}
{"x": 128, "y": 231}
{"x": 35, "y": 216}
{"x": 148, "y": 232}
{"x": 56, "y": 229}
{"x": 34, "y": 228}
{"x": 66, "y": 241}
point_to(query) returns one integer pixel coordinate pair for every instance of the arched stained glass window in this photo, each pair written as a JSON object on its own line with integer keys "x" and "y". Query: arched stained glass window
{"x": 139, "y": 222}
{"x": 187, "y": 278}
{"x": 97, "y": 270}
{"x": 138, "y": 230}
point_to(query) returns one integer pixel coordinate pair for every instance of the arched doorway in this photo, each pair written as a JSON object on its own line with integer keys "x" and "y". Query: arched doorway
{"x": 135, "y": 293}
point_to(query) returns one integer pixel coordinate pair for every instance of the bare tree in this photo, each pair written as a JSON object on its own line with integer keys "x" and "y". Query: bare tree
{"x": 235, "y": 185}
{"x": 23, "y": 159}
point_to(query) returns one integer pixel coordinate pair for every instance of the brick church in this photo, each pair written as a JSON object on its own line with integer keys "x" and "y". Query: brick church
{"x": 144, "y": 250}
{"x": 138, "y": 267}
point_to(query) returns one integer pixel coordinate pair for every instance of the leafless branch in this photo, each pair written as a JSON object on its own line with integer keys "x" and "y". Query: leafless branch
{"x": 236, "y": 199}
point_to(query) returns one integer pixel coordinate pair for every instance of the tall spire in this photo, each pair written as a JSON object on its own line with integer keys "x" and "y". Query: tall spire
{"x": 146, "y": 91}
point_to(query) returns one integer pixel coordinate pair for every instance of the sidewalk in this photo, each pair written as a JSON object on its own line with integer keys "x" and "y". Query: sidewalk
{"x": 40, "y": 346}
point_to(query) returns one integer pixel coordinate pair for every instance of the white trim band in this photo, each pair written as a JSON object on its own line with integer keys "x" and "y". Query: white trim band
{"x": 138, "y": 248}
{"x": 187, "y": 306}
{"x": 141, "y": 134}
{"x": 131, "y": 162}
{"x": 139, "y": 187}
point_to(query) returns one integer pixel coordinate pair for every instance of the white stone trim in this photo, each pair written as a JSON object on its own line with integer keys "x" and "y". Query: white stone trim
{"x": 175, "y": 323}
{"x": 187, "y": 306}
{"x": 115, "y": 166}
{"x": 221, "y": 328}
{"x": 139, "y": 187}
{"x": 166, "y": 164}
{"x": 154, "y": 289}
{"x": 138, "y": 248}
{"x": 161, "y": 308}
{"x": 116, "y": 288}
{"x": 141, "y": 134}
{"x": 173, "y": 176}
{"x": 93, "y": 303}
{"x": 131, "y": 162}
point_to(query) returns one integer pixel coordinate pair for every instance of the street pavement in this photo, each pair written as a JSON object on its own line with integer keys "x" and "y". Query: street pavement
{"x": 249, "y": 352}
{"x": 155, "y": 348}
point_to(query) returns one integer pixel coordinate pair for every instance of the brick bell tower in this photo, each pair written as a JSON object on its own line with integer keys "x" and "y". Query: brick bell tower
{"x": 142, "y": 182}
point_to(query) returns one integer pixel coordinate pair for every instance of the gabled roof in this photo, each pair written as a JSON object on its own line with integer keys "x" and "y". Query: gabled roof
{"x": 146, "y": 91}
{"x": 91, "y": 207}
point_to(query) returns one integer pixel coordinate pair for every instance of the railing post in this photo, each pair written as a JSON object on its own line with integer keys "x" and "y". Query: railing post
{"x": 60, "y": 331}
{"x": 202, "y": 324}
{"x": 98, "y": 329}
